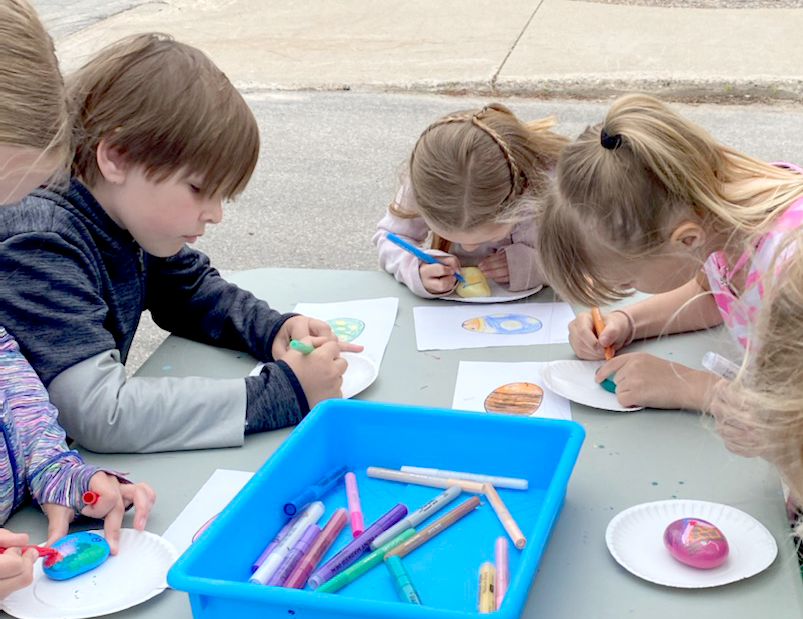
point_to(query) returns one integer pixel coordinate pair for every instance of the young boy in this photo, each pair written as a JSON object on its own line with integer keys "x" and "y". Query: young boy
{"x": 161, "y": 137}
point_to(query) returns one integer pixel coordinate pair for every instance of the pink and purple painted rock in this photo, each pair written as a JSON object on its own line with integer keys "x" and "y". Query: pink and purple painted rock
{"x": 696, "y": 542}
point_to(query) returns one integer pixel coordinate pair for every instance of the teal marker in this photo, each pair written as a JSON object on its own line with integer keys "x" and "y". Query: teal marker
{"x": 301, "y": 347}
{"x": 401, "y": 581}
{"x": 353, "y": 572}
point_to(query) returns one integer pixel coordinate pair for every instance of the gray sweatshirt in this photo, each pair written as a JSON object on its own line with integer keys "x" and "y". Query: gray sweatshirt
{"x": 74, "y": 287}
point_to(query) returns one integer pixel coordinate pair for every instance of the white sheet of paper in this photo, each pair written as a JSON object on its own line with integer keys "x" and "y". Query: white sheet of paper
{"x": 476, "y": 380}
{"x": 482, "y": 326}
{"x": 378, "y": 315}
{"x": 209, "y": 501}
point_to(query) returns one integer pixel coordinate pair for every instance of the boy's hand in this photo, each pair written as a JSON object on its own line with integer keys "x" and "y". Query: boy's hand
{"x": 299, "y": 327}
{"x": 439, "y": 278}
{"x": 16, "y": 569}
{"x": 320, "y": 372}
{"x": 587, "y": 344}
{"x": 645, "y": 380}
{"x": 113, "y": 499}
{"x": 495, "y": 267}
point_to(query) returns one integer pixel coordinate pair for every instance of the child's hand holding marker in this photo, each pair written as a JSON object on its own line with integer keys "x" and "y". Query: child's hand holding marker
{"x": 589, "y": 342}
{"x": 300, "y": 327}
{"x": 107, "y": 499}
{"x": 439, "y": 275}
{"x": 318, "y": 366}
{"x": 16, "y": 564}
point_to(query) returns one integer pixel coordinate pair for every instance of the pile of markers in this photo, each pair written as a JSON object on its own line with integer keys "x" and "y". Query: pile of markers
{"x": 291, "y": 559}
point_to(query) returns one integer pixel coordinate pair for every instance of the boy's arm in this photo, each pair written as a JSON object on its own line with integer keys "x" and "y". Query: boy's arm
{"x": 50, "y": 301}
{"x": 189, "y": 298}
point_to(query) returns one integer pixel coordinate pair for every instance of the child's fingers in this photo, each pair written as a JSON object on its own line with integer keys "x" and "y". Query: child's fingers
{"x": 9, "y": 539}
{"x": 609, "y": 368}
{"x": 351, "y": 347}
{"x": 142, "y": 497}
{"x": 112, "y": 523}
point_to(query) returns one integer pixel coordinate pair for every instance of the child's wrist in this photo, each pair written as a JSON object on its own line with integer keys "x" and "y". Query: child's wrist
{"x": 631, "y": 326}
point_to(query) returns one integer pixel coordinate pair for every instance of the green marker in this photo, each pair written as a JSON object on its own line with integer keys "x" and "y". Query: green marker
{"x": 301, "y": 347}
{"x": 352, "y": 573}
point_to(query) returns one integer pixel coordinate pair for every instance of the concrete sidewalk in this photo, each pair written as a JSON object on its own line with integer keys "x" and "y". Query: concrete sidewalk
{"x": 557, "y": 48}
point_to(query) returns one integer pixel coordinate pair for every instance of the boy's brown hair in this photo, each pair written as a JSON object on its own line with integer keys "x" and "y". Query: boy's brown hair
{"x": 163, "y": 105}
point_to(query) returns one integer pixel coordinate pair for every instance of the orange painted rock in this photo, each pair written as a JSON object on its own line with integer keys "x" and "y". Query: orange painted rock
{"x": 515, "y": 399}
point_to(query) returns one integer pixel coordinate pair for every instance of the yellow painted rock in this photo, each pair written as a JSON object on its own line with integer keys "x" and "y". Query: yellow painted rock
{"x": 476, "y": 285}
{"x": 515, "y": 399}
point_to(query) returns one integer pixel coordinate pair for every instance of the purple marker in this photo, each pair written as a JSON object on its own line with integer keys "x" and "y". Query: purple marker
{"x": 356, "y": 547}
{"x": 279, "y": 537}
{"x": 292, "y": 558}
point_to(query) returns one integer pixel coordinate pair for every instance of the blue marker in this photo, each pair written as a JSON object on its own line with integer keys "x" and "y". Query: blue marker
{"x": 315, "y": 491}
{"x": 423, "y": 257}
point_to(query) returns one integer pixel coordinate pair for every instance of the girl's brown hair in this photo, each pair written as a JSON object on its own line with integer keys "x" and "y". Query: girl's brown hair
{"x": 163, "y": 105}
{"x": 33, "y": 105}
{"x": 623, "y": 184}
{"x": 481, "y": 167}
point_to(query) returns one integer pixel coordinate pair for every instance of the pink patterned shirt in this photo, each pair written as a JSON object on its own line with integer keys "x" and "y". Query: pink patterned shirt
{"x": 739, "y": 311}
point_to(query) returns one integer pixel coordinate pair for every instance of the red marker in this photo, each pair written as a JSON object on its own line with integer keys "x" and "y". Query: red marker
{"x": 51, "y": 554}
{"x": 90, "y": 498}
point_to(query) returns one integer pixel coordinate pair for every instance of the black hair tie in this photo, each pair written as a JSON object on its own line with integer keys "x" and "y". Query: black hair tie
{"x": 611, "y": 142}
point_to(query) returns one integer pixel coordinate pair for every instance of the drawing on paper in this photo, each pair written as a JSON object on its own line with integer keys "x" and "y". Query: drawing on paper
{"x": 503, "y": 324}
{"x": 515, "y": 399}
{"x": 346, "y": 329}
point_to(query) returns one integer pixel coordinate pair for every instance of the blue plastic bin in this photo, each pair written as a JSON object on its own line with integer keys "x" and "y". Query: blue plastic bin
{"x": 215, "y": 569}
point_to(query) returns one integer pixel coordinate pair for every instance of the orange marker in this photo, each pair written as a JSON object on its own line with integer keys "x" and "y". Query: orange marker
{"x": 599, "y": 325}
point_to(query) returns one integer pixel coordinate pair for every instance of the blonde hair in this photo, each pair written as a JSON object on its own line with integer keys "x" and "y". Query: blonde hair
{"x": 481, "y": 167}
{"x": 624, "y": 184}
{"x": 163, "y": 105}
{"x": 33, "y": 104}
{"x": 767, "y": 396}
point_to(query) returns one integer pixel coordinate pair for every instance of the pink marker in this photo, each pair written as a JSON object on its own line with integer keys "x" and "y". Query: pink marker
{"x": 502, "y": 574}
{"x": 298, "y": 577}
{"x": 353, "y": 498}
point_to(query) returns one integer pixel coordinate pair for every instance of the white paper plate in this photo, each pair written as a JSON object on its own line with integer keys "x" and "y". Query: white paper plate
{"x": 135, "y": 574}
{"x": 499, "y": 294}
{"x": 359, "y": 375}
{"x": 574, "y": 380}
{"x": 635, "y": 538}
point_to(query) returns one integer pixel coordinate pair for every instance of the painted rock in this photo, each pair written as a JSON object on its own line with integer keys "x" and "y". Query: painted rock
{"x": 503, "y": 324}
{"x": 476, "y": 285}
{"x": 696, "y": 542}
{"x": 515, "y": 398}
{"x": 80, "y": 553}
{"x": 346, "y": 329}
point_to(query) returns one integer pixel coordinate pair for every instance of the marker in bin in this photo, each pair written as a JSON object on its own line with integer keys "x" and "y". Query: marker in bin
{"x": 356, "y": 547}
{"x": 353, "y": 498}
{"x": 315, "y": 491}
{"x": 298, "y": 577}
{"x": 291, "y": 560}
{"x": 419, "y": 515}
{"x": 270, "y": 547}
{"x": 310, "y": 515}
